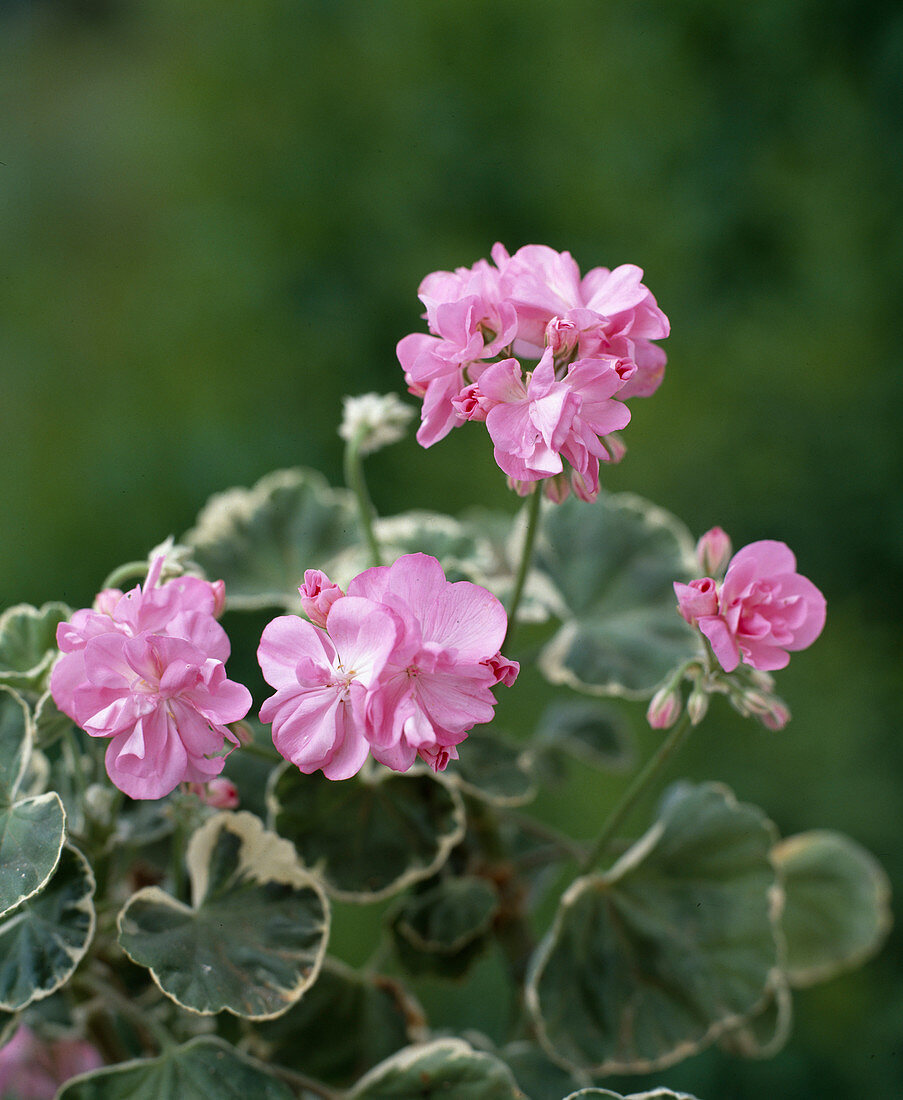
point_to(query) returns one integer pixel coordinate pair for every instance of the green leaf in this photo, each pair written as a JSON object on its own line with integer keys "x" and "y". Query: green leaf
{"x": 837, "y": 909}
{"x": 256, "y": 935}
{"x": 613, "y": 564}
{"x": 261, "y": 540}
{"x": 371, "y": 836}
{"x": 444, "y": 928}
{"x": 343, "y": 1025}
{"x": 493, "y": 770}
{"x": 445, "y": 1069}
{"x": 594, "y": 733}
{"x": 766, "y": 1032}
{"x": 31, "y": 838}
{"x": 652, "y": 960}
{"x": 605, "y": 1094}
{"x": 46, "y": 937}
{"x": 538, "y": 1076}
{"x": 203, "y": 1069}
{"x": 16, "y": 735}
{"x": 28, "y": 644}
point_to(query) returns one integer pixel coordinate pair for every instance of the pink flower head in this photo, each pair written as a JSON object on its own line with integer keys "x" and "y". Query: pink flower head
{"x": 762, "y": 611}
{"x": 322, "y": 683}
{"x": 436, "y": 684}
{"x": 318, "y": 594}
{"x": 146, "y": 670}
{"x": 32, "y": 1068}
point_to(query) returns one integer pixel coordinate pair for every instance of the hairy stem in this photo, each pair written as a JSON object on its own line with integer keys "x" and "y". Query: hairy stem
{"x": 354, "y": 479}
{"x": 526, "y": 556}
{"x": 641, "y": 781}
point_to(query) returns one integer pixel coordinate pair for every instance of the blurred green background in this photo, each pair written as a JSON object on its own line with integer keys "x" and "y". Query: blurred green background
{"x": 215, "y": 218}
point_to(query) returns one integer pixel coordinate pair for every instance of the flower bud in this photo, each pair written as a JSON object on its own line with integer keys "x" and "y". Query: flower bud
{"x": 557, "y": 488}
{"x": 470, "y": 404}
{"x": 318, "y": 594}
{"x": 697, "y": 705}
{"x": 771, "y": 711}
{"x": 562, "y": 336}
{"x": 713, "y": 552}
{"x": 218, "y": 793}
{"x": 374, "y": 420}
{"x": 664, "y": 708}
{"x": 243, "y": 732}
{"x": 697, "y": 600}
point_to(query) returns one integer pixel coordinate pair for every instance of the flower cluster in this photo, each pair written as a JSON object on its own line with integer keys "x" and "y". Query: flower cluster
{"x": 761, "y": 612}
{"x": 593, "y": 337}
{"x": 147, "y": 670}
{"x": 400, "y": 666}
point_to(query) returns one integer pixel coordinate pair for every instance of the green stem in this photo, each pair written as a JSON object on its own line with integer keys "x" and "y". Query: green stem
{"x": 125, "y": 572}
{"x": 526, "y": 556}
{"x": 354, "y": 479}
{"x": 641, "y": 781}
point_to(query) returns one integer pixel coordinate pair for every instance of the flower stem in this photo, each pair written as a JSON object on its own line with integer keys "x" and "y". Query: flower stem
{"x": 126, "y": 572}
{"x": 526, "y": 556}
{"x": 354, "y": 479}
{"x": 641, "y": 781}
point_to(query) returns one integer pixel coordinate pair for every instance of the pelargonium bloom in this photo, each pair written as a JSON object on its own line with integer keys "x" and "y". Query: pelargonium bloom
{"x": 33, "y": 1068}
{"x": 761, "y": 612}
{"x": 146, "y": 669}
{"x": 402, "y": 667}
{"x": 594, "y": 336}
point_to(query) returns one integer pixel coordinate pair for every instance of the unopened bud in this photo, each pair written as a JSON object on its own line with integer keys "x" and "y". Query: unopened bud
{"x": 557, "y": 488}
{"x": 318, "y": 594}
{"x": 562, "y": 336}
{"x": 713, "y": 552}
{"x": 664, "y": 708}
{"x": 374, "y": 420}
{"x": 697, "y": 705}
{"x": 218, "y": 793}
{"x": 243, "y": 732}
{"x": 771, "y": 711}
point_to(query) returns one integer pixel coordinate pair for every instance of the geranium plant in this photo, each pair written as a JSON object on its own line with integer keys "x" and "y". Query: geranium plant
{"x": 175, "y": 842}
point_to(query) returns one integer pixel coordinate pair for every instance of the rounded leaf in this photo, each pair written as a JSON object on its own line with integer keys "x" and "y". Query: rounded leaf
{"x": 766, "y": 1032}
{"x": 606, "y": 1094}
{"x": 46, "y": 937}
{"x": 260, "y": 540}
{"x": 31, "y": 838}
{"x": 837, "y": 907}
{"x": 371, "y": 836}
{"x": 614, "y": 563}
{"x": 445, "y": 1069}
{"x": 255, "y": 937}
{"x": 493, "y": 770}
{"x": 16, "y": 736}
{"x": 28, "y": 644}
{"x": 345, "y": 1023}
{"x": 650, "y": 961}
{"x": 592, "y": 732}
{"x": 202, "y": 1069}
{"x": 444, "y": 928}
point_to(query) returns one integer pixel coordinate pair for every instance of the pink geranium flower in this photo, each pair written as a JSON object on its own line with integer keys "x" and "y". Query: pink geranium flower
{"x": 32, "y": 1068}
{"x": 322, "y": 681}
{"x": 436, "y": 685}
{"x": 403, "y": 668}
{"x": 762, "y": 611}
{"x": 146, "y": 670}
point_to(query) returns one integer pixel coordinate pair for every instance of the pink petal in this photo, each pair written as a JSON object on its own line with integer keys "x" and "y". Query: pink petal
{"x": 284, "y": 642}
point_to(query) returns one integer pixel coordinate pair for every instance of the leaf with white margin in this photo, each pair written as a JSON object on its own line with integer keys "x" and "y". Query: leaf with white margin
{"x": 206, "y": 1068}
{"x": 343, "y": 1026}
{"x": 32, "y": 830}
{"x": 614, "y": 563}
{"x": 444, "y": 928}
{"x": 652, "y": 960}
{"x": 261, "y": 540}
{"x": 766, "y": 1032}
{"x": 371, "y": 836}
{"x": 46, "y": 937}
{"x": 837, "y": 909}
{"x": 537, "y": 1075}
{"x": 28, "y": 643}
{"x": 605, "y": 1094}
{"x": 445, "y": 1069}
{"x": 254, "y": 938}
{"x": 493, "y": 770}
{"x": 595, "y": 733}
